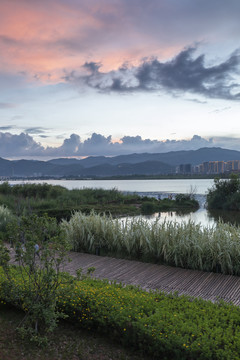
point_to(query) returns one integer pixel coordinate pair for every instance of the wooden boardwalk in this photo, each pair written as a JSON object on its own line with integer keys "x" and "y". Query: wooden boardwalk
{"x": 208, "y": 286}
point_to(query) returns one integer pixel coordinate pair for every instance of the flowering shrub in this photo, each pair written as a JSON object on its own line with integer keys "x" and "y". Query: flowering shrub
{"x": 163, "y": 326}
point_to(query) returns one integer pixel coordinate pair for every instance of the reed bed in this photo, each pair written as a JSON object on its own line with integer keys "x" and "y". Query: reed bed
{"x": 187, "y": 245}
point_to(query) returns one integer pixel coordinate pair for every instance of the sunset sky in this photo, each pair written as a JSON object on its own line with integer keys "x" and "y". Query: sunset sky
{"x": 109, "y": 77}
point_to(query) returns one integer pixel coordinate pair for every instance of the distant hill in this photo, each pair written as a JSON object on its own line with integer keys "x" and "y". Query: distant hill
{"x": 64, "y": 161}
{"x": 144, "y": 168}
{"x": 99, "y": 166}
{"x": 173, "y": 158}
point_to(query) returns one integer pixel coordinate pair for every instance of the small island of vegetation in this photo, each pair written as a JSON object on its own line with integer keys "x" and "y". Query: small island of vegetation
{"x": 60, "y": 202}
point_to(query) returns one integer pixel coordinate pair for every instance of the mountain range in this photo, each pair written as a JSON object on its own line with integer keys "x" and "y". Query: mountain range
{"x": 122, "y": 165}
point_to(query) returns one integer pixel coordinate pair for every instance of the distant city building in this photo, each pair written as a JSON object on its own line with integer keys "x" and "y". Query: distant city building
{"x": 185, "y": 169}
{"x": 233, "y": 165}
{"x": 210, "y": 167}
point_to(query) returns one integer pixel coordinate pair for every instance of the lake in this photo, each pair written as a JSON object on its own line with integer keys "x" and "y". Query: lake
{"x": 158, "y": 188}
{"x": 175, "y": 186}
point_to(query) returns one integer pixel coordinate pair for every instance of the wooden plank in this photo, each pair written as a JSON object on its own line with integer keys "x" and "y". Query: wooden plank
{"x": 209, "y": 286}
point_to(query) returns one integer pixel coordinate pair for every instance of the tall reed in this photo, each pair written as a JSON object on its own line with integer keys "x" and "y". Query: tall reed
{"x": 5, "y": 217}
{"x": 187, "y": 245}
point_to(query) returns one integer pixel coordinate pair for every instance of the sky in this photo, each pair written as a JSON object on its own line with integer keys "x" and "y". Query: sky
{"x": 110, "y": 77}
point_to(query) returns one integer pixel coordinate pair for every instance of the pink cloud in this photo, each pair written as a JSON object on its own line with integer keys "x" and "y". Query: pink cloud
{"x": 44, "y": 37}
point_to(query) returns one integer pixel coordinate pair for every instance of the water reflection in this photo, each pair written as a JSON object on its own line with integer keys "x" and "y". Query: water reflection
{"x": 200, "y": 216}
{"x": 203, "y": 216}
{"x": 232, "y": 217}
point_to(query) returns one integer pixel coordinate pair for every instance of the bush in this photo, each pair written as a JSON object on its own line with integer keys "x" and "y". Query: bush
{"x": 162, "y": 326}
{"x": 225, "y": 194}
{"x": 149, "y": 207}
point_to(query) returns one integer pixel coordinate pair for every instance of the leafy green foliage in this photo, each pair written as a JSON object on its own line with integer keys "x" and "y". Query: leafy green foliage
{"x": 225, "y": 194}
{"x": 163, "y": 326}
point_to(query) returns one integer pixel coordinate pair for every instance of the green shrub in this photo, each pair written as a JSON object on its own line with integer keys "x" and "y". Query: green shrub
{"x": 162, "y": 326}
{"x": 149, "y": 207}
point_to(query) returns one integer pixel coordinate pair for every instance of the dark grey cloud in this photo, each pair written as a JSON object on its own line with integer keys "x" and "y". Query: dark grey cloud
{"x": 73, "y": 146}
{"x": 19, "y": 145}
{"x": 97, "y": 140}
{"x": 24, "y": 146}
{"x": 181, "y": 75}
{"x": 137, "y": 144}
{"x": 92, "y": 67}
{"x": 98, "y": 144}
{"x": 70, "y": 147}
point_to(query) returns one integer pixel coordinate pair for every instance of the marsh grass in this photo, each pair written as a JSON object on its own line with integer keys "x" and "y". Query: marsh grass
{"x": 186, "y": 244}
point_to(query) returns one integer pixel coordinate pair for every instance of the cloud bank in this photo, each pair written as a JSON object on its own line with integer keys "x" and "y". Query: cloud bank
{"x": 24, "y": 146}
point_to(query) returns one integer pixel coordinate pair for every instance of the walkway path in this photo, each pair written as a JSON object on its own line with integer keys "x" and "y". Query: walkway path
{"x": 209, "y": 286}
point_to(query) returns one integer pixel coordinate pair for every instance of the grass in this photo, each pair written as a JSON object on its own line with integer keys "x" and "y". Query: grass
{"x": 67, "y": 342}
{"x": 187, "y": 245}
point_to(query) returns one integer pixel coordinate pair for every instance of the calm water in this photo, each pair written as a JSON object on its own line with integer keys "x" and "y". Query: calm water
{"x": 157, "y": 188}
{"x": 175, "y": 186}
